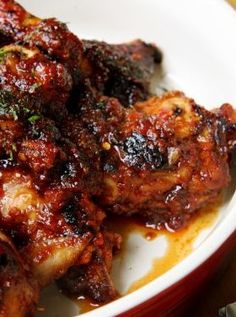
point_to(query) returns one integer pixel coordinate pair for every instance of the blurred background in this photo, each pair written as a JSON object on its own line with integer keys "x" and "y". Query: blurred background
{"x": 232, "y": 2}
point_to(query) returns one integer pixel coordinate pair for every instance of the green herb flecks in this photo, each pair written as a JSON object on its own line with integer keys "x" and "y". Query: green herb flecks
{"x": 14, "y": 148}
{"x": 26, "y": 110}
{"x": 12, "y": 151}
{"x": 100, "y": 105}
{"x": 33, "y": 118}
{"x": 3, "y": 54}
{"x": 11, "y": 156}
{"x": 12, "y": 110}
{"x": 34, "y": 87}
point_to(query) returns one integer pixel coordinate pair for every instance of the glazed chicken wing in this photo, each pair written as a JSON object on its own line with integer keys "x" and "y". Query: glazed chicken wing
{"x": 162, "y": 159}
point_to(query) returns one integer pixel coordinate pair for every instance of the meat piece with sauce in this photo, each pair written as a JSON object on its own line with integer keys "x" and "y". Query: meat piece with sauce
{"x": 123, "y": 71}
{"x": 45, "y": 207}
{"x": 31, "y": 78}
{"x": 80, "y": 134}
{"x": 163, "y": 158}
{"x": 91, "y": 276}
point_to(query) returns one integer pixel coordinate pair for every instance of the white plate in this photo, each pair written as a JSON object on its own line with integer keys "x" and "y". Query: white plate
{"x": 199, "y": 45}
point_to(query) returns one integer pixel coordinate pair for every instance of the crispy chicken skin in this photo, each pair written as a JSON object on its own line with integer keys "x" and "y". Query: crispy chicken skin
{"x": 18, "y": 291}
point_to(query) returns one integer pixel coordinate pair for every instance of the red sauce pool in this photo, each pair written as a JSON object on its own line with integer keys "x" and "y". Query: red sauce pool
{"x": 180, "y": 244}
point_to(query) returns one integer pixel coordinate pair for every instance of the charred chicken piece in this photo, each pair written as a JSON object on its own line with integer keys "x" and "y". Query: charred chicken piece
{"x": 18, "y": 292}
{"x": 122, "y": 71}
{"x": 162, "y": 159}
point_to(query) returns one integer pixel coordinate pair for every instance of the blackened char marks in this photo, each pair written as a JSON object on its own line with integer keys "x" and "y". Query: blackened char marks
{"x": 141, "y": 153}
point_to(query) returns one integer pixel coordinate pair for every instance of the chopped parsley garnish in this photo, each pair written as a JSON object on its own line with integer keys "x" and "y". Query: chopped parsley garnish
{"x": 13, "y": 146}
{"x": 11, "y": 157}
{"x": 33, "y": 118}
{"x": 3, "y": 54}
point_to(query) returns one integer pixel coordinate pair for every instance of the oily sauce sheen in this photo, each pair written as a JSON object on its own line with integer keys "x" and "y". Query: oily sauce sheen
{"x": 180, "y": 243}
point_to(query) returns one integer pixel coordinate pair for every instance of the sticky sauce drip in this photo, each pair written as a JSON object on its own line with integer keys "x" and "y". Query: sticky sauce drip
{"x": 180, "y": 244}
